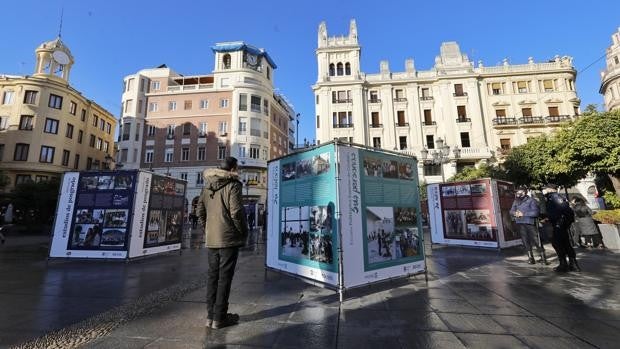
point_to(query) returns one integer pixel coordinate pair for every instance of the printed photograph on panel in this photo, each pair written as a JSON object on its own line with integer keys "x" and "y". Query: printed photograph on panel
{"x": 120, "y": 199}
{"x": 158, "y": 185}
{"x": 406, "y": 242}
{"x": 115, "y": 219}
{"x": 405, "y": 216}
{"x": 113, "y": 237}
{"x": 320, "y": 164}
{"x": 454, "y": 223}
{"x": 105, "y": 183}
{"x": 304, "y": 168}
{"x": 390, "y": 169}
{"x": 478, "y": 217}
{"x": 89, "y": 182}
{"x": 179, "y": 188}
{"x": 173, "y": 226}
{"x": 463, "y": 190}
{"x": 405, "y": 171}
{"x": 288, "y": 171}
{"x": 320, "y": 245}
{"x": 86, "y": 235}
{"x": 448, "y": 190}
{"x": 89, "y": 216}
{"x": 380, "y": 230}
{"x": 372, "y": 167}
{"x": 122, "y": 182}
{"x": 154, "y": 223}
{"x": 295, "y": 234}
{"x": 478, "y": 188}
{"x": 480, "y": 232}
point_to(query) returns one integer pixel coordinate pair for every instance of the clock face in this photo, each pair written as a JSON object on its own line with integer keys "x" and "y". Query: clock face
{"x": 252, "y": 59}
{"x": 60, "y": 57}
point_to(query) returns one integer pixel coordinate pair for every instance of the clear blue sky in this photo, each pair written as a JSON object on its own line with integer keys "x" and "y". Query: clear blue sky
{"x": 110, "y": 39}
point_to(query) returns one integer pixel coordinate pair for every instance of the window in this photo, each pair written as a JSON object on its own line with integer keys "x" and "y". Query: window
{"x": 20, "y": 179}
{"x": 30, "y": 97}
{"x": 153, "y": 106}
{"x": 148, "y": 156}
{"x": 243, "y": 125}
{"x": 376, "y": 142}
{"x": 548, "y": 85}
{"x": 139, "y": 106}
{"x": 430, "y": 142}
{"x": 432, "y": 170}
{"x": 223, "y": 103}
{"x": 242, "y": 151}
{"x": 98, "y": 143}
{"x": 526, "y": 111}
{"x": 254, "y": 151}
{"x": 141, "y": 85}
{"x": 461, "y": 111}
{"x": 73, "y": 108}
{"x": 465, "y": 140}
{"x": 55, "y": 102}
{"x": 199, "y": 178}
{"x": 8, "y": 96}
{"x": 47, "y": 154}
{"x": 4, "y": 121}
{"x": 25, "y": 122}
{"x": 402, "y": 142}
{"x": 373, "y": 96}
{"x": 554, "y": 111}
{"x": 1, "y": 152}
{"x": 203, "y": 129}
{"x": 426, "y": 93}
{"x": 169, "y": 155}
{"x": 374, "y": 116}
{"x": 496, "y": 88}
{"x": 255, "y": 127}
{"x": 500, "y": 113}
{"x": 428, "y": 117}
{"x": 401, "y": 118}
{"x": 458, "y": 90}
{"x": 223, "y": 127}
{"x": 255, "y": 104}
{"x": 126, "y": 131}
{"x": 339, "y": 70}
{"x": 95, "y": 120}
{"x": 226, "y": 60}
{"x": 21, "y": 152}
{"x": 576, "y": 110}
{"x": 155, "y": 85}
{"x": 266, "y": 107}
{"x": 39, "y": 178}
{"x": 89, "y": 163}
{"x": 504, "y": 143}
{"x": 129, "y": 84}
{"x": 399, "y": 95}
{"x": 76, "y": 161}
{"x": 106, "y": 146}
{"x": 201, "y": 156}
{"x": 69, "y": 133}
{"x": 92, "y": 141}
{"x": 83, "y": 116}
{"x": 80, "y": 135}
{"x": 128, "y": 105}
{"x": 65, "y": 157}
{"x": 170, "y": 131}
{"x": 172, "y": 105}
{"x": 187, "y": 129}
{"x": 108, "y": 128}
{"x": 522, "y": 87}
{"x": 332, "y": 69}
{"x": 347, "y": 68}
{"x": 185, "y": 154}
{"x": 102, "y": 124}
{"x": 268, "y": 73}
{"x": 184, "y": 176}
{"x": 204, "y": 104}
{"x": 318, "y": 122}
{"x": 243, "y": 102}
{"x": 150, "y": 130}
{"x": 221, "y": 152}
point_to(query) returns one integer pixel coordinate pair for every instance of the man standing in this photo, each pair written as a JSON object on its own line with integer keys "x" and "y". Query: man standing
{"x": 525, "y": 210}
{"x": 220, "y": 210}
{"x": 561, "y": 217}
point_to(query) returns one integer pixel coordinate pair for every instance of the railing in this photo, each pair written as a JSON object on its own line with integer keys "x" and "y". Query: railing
{"x": 346, "y": 100}
{"x": 504, "y": 121}
{"x": 342, "y": 125}
{"x": 459, "y": 94}
{"x": 429, "y": 123}
{"x": 375, "y": 125}
{"x": 426, "y": 98}
{"x": 531, "y": 120}
{"x": 463, "y": 119}
{"x": 189, "y": 87}
{"x": 402, "y": 124}
{"x": 374, "y": 100}
{"x": 557, "y": 118}
{"x": 170, "y": 136}
{"x": 400, "y": 99}
{"x": 255, "y": 108}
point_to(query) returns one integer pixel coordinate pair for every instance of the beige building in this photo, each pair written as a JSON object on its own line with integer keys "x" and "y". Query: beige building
{"x": 179, "y": 125}
{"x": 610, "y": 77}
{"x": 474, "y": 113}
{"x": 46, "y": 126}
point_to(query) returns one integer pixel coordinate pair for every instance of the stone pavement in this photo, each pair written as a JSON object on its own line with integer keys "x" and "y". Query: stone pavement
{"x": 474, "y": 299}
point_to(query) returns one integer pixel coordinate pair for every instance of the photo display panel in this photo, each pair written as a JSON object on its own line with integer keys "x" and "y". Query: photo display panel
{"x": 165, "y": 212}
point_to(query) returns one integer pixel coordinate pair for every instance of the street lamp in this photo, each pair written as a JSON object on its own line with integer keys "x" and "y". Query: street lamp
{"x": 440, "y": 156}
{"x": 297, "y": 132}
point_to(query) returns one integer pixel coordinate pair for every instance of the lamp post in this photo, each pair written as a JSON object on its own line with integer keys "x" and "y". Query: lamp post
{"x": 440, "y": 156}
{"x": 297, "y": 131}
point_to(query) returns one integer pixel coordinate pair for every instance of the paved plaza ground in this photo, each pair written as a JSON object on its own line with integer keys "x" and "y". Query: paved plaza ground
{"x": 474, "y": 299}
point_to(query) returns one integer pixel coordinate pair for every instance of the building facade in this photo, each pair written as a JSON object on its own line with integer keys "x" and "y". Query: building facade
{"x": 46, "y": 126}
{"x": 610, "y": 77}
{"x": 476, "y": 113}
{"x": 179, "y": 125}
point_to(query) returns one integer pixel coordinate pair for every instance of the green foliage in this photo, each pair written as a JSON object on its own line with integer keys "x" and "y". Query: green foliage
{"x": 36, "y": 201}
{"x": 607, "y": 216}
{"x": 590, "y": 109}
{"x": 483, "y": 171}
{"x": 612, "y": 200}
{"x": 422, "y": 188}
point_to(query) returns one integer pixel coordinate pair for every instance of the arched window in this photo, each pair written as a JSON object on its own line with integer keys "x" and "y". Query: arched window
{"x": 339, "y": 69}
{"x": 226, "y": 61}
{"x": 347, "y": 69}
{"x": 332, "y": 70}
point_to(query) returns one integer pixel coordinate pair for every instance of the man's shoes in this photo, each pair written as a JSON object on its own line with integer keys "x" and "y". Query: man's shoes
{"x": 229, "y": 320}
{"x": 573, "y": 265}
{"x": 531, "y": 260}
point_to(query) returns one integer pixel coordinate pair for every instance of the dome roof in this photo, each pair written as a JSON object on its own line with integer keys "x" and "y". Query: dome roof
{"x": 54, "y": 44}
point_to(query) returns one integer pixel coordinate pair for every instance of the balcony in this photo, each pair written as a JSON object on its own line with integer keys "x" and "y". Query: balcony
{"x": 552, "y": 119}
{"x": 531, "y": 120}
{"x": 344, "y": 100}
{"x": 374, "y": 125}
{"x": 374, "y": 100}
{"x": 459, "y": 94}
{"x": 342, "y": 125}
{"x": 429, "y": 123}
{"x": 503, "y": 121}
{"x": 463, "y": 119}
{"x": 400, "y": 99}
{"x": 426, "y": 98}
{"x": 170, "y": 136}
{"x": 402, "y": 124}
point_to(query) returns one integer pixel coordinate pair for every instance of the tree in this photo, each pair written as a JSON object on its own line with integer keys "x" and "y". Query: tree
{"x": 483, "y": 171}
{"x": 590, "y": 110}
{"x": 36, "y": 201}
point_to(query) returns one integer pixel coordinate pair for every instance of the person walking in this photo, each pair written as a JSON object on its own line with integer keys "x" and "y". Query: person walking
{"x": 220, "y": 210}
{"x": 584, "y": 223}
{"x": 561, "y": 217}
{"x": 525, "y": 210}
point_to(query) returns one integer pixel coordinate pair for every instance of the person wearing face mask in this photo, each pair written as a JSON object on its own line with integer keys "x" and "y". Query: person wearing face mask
{"x": 561, "y": 217}
{"x": 525, "y": 211}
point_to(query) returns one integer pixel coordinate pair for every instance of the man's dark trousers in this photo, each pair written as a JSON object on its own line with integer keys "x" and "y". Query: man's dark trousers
{"x": 561, "y": 243}
{"x": 222, "y": 263}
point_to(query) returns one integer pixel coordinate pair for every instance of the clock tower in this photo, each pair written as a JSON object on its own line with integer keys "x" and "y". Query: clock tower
{"x": 54, "y": 60}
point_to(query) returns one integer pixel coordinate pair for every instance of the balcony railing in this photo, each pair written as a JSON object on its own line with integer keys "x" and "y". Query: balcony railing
{"x": 429, "y": 123}
{"x": 463, "y": 119}
{"x": 343, "y": 125}
{"x": 459, "y": 94}
{"x": 374, "y": 100}
{"x": 402, "y": 124}
{"x": 400, "y": 99}
{"x": 557, "y": 118}
{"x": 426, "y": 98}
{"x": 373, "y": 125}
{"x": 531, "y": 120}
{"x": 504, "y": 121}
{"x": 344, "y": 100}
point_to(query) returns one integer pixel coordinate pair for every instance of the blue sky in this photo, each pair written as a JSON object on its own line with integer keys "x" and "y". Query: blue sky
{"x": 111, "y": 39}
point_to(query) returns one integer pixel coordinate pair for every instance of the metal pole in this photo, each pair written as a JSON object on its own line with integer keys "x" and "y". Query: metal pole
{"x": 297, "y": 132}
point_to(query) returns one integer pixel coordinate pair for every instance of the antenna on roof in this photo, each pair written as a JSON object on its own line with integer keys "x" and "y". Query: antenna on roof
{"x": 62, "y": 10}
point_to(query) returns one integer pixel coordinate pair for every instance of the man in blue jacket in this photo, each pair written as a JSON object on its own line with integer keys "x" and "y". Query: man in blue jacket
{"x": 525, "y": 210}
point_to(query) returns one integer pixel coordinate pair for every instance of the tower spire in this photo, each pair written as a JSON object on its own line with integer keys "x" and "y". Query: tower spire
{"x": 62, "y": 10}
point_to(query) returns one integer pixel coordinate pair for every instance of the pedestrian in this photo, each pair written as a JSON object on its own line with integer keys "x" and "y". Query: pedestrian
{"x": 585, "y": 224}
{"x": 220, "y": 210}
{"x": 525, "y": 211}
{"x": 561, "y": 217}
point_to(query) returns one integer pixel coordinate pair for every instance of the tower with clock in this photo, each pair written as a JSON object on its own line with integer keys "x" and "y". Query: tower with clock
{"x": 54, "y": 59}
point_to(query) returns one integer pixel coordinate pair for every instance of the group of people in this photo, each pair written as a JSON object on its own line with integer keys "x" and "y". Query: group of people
{"x": 561, "y": 216}
{"x": 384, "y": 240}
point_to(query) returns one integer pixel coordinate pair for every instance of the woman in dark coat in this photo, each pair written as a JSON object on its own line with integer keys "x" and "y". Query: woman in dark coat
{"x": 584, "y": 222}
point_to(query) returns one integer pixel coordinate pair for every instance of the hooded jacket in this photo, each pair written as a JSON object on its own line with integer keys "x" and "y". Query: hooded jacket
{"x": 528, "y": 207}
{"x": 220, "y": 209}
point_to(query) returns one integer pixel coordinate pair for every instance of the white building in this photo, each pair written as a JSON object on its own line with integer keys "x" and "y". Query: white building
{"x": 478, "y": 112}
{"x": 610, "y": 86}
